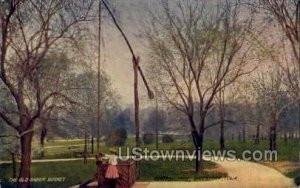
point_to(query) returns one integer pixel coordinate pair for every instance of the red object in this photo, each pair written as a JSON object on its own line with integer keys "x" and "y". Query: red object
{"x": 112, "y": 172}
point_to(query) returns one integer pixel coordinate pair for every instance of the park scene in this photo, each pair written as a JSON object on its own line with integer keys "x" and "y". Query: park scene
{"x": 149, "y": 93}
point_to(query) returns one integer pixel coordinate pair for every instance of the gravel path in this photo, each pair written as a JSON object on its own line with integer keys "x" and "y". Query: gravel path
{"x": 241, "y": 174}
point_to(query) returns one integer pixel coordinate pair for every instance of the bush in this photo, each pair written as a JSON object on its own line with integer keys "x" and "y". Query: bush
{"x": 297, "y": 180}
{"x": 117, "y": 138}
{"x": 167, "y": 139}
{"x": 148, "y": 138}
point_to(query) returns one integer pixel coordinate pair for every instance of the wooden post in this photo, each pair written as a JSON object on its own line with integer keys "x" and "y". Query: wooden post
{"x": 136, "y": 102}
{"x": 136, "y": 108}
{"x": 99, "y": 80}
{"x": 156, "y": 123}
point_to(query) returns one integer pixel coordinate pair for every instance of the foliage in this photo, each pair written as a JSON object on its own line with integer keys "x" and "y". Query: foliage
{"x": 294, "y": 174}
{"x": 167, "y": 139}
{"x": 117, "y": 137}
{"x": 297, "y": 180}
{"x": 123, "y": 120}
{"x": 148, "y": 138}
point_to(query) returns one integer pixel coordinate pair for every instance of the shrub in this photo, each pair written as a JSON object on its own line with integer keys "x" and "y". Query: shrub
{"x": 117, "y": 138}
{"x": 148, "y": 138}
{"x": 297, "y": 180}
{"x": 167, "y": 139}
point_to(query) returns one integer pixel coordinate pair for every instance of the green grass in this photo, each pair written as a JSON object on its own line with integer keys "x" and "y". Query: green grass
{"x": 294, "y": 173}
{"x": 287, "y": 151}
{"x": 64, "y": 142}
{"x": 73, "y": 171}
{"x": 76, "y": 172}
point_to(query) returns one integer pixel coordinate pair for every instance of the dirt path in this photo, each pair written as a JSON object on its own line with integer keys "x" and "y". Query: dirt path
{"x": 241, "y": 174}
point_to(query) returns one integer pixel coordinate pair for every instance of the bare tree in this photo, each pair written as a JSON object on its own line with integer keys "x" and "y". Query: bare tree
{"x": 273, "y": 100}
{"x": 286, "y": 14}
{"x": 29, "y": 30}
{"x": 198, "y": 49}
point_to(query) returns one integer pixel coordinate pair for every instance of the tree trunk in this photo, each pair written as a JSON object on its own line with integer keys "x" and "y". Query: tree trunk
{"x": 198, "y": 142}
{"x": 44, "y": 121}
{"x": 222, "y": 117}
{"x": 299, "y": 117}
{"x": 285, "y": 137}
{"x": 14, "y": 168}
{"x": 92, "y": 144}
{"x": 199, "y": 159}
{"x": 272, "y": 138}
{"x": 222, "y": 140}
{"x": 290, "y": 135}
{"x": 24, "y": 175}
{"x": 42, "y": 140}
{"x": 244, "y": 133}
{"x": 85, "y": 148}
{"x": 257, "y": 137}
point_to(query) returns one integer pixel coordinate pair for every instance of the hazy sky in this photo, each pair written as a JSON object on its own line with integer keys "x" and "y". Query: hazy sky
{"x": 116, "y": 58}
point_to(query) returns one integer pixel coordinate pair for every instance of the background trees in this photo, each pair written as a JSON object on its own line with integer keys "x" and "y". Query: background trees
{"x": 271, "y": 102}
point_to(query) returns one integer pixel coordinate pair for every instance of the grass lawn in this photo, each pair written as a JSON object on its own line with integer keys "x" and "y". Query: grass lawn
{"x": 65, "y": 142}
{"x": 287, "y": 151}
{"x": 75, "y": 172}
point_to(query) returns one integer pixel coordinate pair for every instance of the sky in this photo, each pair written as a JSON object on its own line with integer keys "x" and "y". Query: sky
{"x": 116, "y": 57}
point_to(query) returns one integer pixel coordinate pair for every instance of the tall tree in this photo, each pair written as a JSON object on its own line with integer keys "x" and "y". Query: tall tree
{"x": 197, "y": 49}
{"x": 286, "y": 15}
{"x": 83, "y": 89}
{"x": 29, "y": 30}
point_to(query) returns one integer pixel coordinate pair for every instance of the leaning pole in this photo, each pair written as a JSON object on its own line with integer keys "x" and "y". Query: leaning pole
{"x": 137, "y": 69}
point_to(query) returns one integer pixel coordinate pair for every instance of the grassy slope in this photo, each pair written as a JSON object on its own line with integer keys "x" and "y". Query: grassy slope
{"x": 76, "y": 172}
